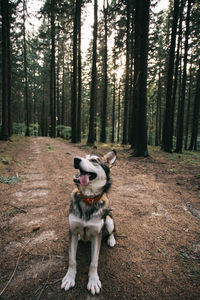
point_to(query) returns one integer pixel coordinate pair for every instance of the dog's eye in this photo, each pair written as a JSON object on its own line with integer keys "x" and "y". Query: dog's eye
{"x": 94, "y": 160}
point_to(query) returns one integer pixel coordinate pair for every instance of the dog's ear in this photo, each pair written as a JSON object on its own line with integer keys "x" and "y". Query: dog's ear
{"x": 110, "y": 157}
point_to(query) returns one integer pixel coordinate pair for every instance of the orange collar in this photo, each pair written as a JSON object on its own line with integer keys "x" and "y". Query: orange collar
{"x": 90, "y": 201}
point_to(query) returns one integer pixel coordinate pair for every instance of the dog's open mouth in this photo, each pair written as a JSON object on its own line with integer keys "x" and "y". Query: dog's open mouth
{"x": 84, "y": 177}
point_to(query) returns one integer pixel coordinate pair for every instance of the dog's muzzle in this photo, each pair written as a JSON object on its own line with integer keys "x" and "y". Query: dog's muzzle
{"x": 84, "y": 177}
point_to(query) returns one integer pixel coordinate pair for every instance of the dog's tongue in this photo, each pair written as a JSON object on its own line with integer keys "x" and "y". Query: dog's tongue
{"x": 84, "y": 179}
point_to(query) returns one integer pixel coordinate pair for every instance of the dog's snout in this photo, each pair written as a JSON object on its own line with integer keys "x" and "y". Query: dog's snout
{"x": 77, "y": 161}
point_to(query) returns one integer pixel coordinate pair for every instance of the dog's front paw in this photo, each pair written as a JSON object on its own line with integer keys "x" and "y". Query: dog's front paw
{"x": 68, "y": 281}
{"x": 111, "y": 241}
{"x": 94, "y": 284}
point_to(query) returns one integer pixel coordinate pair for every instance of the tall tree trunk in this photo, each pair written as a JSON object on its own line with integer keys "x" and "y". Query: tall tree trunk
{"x": 58, "y": 116}
{"x": 166, "y": 141}
{"x": 188, "y": 110}
{"x": 158, "y": 110}
{"x": 174, "y": 92}
{"x": 195, "y": 122}
{"x": 130, "y": 104}
{"x": 79, "y": 76}
{"x": 63, "y": 94}
{"x": 141, "y": 41}
{"x": 105, "y": 85}
{"x": 53, "y": 75}
{"x": 126, "y": 95}
{"x": 74, "y": 77}
{"x": 26, "y": 100}
{"x": 119, "y": 119}
{"x": 93, "y": 95}
{"x": 6, "y": 88}
{"x": 114, "y": 99}
{"x": 179, "y": 140}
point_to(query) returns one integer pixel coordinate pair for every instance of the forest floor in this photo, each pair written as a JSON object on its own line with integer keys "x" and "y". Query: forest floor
{"x": 156, "y": 202}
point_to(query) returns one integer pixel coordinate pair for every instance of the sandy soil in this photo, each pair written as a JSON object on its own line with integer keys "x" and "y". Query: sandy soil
{"x": 156, "y": 206}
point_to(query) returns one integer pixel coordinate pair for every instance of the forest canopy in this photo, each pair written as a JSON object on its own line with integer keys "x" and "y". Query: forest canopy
{"x": 135, "y": 79}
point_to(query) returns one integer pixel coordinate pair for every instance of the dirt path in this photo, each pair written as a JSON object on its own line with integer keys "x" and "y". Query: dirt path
{"x": 157, "y": 214}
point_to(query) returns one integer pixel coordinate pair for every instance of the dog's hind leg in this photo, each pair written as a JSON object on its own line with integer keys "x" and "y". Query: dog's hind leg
{"x": 94, "y": 284}
{"x": 69, "y": 279}
{"x": 109, "y": 223}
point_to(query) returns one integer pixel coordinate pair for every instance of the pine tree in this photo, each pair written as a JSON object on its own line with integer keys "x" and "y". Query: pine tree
{"x": 93, "y": 95}
{"x": 6, "y": 71}
{"x": 179, "y": 143}
{"x": 140, "y": 81}
{"x": 166, "y": 140}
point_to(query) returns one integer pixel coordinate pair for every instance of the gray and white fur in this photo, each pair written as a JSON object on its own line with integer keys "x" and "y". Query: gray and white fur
{"x": 90, "y": 215}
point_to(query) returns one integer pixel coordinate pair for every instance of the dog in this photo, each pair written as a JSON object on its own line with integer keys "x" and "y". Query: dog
{"x": 90, "y": 215}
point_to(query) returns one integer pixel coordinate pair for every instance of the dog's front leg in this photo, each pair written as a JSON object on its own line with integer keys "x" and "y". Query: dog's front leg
{"x": 94, "y": 284}
{"x": 69, "y": 279}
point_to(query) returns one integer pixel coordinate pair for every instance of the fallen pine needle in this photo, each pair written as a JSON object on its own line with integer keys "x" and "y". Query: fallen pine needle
{"x": 17, "y": 263}
{"x": 45, "y": 285}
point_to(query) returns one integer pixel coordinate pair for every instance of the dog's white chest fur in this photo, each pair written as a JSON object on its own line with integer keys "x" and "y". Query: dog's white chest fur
{"x": 86, "y": 229}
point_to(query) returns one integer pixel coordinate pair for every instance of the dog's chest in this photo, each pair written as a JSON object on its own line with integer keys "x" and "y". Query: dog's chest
{"x": 86, "y": 229}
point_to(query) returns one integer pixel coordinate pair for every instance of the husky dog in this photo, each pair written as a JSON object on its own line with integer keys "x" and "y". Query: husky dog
{"x": 89, "y": 215}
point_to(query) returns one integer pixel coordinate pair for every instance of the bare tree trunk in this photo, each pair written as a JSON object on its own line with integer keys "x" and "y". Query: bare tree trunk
{"x": 93, "y": 95}
{"x": 158, "y": 112}
{"x": 79, "y": 76}
{"x": 195, "y": 123}
{"x": 126, "y": 95}
{"x": 5, "y": 134}
{"x": 166, "y": 141}
{"x": 188, "y": 111}
{"x": 119, "y": 118}
{"x": 74, "y": 77}
{"x": 53, "y": 77}
{"x": 179, "y": 140}
{"x": 174, "y": 92}
{"x": 105, "y": 85}
{"x": 141, "y": 36}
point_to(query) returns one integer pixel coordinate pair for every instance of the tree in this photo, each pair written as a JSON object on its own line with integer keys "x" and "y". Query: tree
{"x": 140, "y": 77}
{"x": 195, "y": 122}
{"x": 126, "y": 94}
{"x": 176, "y": 73}
{"x": 79, "y": 76}
{"x": 166, "y": 137}
{"x": 105, "y": 85}
{"x": 93, "y": 94}
{"x": 53, "y": 73}
{"x": 6, "y": 71}
{"x": 26, "y": 100}
{"x": 74, "y": 77}
{"x": 179, "y": 140}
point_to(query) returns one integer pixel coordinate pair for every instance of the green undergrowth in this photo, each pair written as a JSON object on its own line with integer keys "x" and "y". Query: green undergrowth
{"x": 187, "y": 158}
{"x": 9, "y": 179}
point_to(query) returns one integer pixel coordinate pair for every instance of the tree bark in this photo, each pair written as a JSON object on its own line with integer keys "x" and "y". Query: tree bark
{"x": 105, "y": 87}
{"x": 179, "y": 140}
{"x": 188, "y": 110}
{"x": 195, "y": 123}
{"x": 79, "y": 76}
{"x": 74, "y": 77}
{"x": 93, "y": 94}
{"x": 126, "y": 95}
{"x": 166, "y": 141}
{"x": 174, "y": 92}
{"x": 140, "y": 76}
{"x": 158, "y": 111}
{"x": 53, "y": 75}
{"x": 6, "y": 86}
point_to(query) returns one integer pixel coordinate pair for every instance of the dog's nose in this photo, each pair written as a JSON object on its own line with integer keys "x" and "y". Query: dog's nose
{"x": 77, "y": 162}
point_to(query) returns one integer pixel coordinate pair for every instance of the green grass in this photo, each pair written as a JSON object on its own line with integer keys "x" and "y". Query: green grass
{"x": 9, "y": 179}
{"x": 188, "y": 158}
